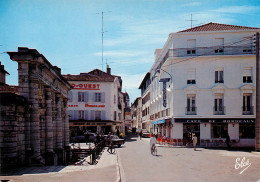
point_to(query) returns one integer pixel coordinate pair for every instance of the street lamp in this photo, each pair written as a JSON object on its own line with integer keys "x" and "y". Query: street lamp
{"x": 164, "y": 80}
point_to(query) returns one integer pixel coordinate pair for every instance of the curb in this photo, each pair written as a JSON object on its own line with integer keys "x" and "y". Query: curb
{"x": 118, "y": 169}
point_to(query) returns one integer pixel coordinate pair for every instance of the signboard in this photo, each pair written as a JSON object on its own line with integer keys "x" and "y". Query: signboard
{"x": 85, "y": 86}
{"x": 89, "y": 105}
{"x": 90, "y": 124}
{"x": 164, "y": 80}
{"x": 159, "y": 122}
{"x": 224, "y": 120}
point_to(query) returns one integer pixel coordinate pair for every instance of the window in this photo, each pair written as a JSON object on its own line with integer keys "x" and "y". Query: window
{"x": 191, "y": 105}
{"x": 247, "y": 45}
{"x": 219, "y": 130}
{"x": 247, "y": 75}
{"x": 191, "y": 45}
{"x": 219, "y": 104}
{"x": 247, "y": 104}
{"x": 81, "y": 115}
{"x": 191, "y": 76}
{"x": 97, "y": 115}
{"x": 219, "y": 45}
{"x": 114, "y": 99}
{"x": 219, "y": 76}
{"x": 97, "y": 97}
{"x": 115, "y": 115}
{"x": 246, "y": 130}
{"x": 81, "y": 96}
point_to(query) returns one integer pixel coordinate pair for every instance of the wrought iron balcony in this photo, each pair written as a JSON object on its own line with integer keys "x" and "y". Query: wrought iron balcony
{"x": 248, "y": 110}
{"x": 219, "y": 110}
{"x": 191, "y": 110}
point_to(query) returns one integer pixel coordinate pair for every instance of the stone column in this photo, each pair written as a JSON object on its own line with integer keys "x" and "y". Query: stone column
{"x": 23, "y": 75}
{"x": 66, "y": 124}
{"x": 49, "y": 128}
{"x": 59, "y": 122}
{"x": 35, "y": 121}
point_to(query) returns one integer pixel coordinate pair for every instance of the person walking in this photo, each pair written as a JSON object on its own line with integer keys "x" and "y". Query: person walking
{"x": 195, "y": 140}
{"x": 141, "y": 133}
{"x": 228, "y": 140}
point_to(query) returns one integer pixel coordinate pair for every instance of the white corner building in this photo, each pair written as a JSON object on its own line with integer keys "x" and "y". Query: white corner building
{"x": 210, "y": 73}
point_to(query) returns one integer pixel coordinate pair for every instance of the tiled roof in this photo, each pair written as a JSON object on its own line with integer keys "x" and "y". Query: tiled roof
{"x": 216, "y": 27}
{"x": 4, "y": 88}
{"x": 94, "y": 75}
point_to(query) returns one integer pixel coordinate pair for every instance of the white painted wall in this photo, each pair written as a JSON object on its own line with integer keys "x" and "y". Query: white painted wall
{"x": 177, "y": 131}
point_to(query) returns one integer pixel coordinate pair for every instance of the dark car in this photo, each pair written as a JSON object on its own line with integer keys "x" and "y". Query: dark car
{"x": 116, "y": 140}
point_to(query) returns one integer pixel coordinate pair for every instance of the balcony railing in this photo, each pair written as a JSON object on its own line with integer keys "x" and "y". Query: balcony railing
{"x": 248, "y": 110}
{"x": 191, "y": 110}
{"x": 207, "y": 51}
{"x": 219, "y": 110}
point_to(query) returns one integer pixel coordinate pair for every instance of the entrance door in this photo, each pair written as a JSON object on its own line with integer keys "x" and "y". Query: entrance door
{"x": 188, "y": 129}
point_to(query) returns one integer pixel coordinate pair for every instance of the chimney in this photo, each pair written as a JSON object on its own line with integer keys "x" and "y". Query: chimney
{"x": 108, "y": 70}
{"x": 157, "y": 53}
{"x": 2, "y": 73}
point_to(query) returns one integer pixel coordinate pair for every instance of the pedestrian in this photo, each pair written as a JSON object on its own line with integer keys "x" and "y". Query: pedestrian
{"x": 195, "y": 140}
{"x": 228, "y": 140}
{"x": 86, "y": 137}
{"x": 117, "y": 132}
{"x": 97, "y": 138}
{"x": 141, "y": 133}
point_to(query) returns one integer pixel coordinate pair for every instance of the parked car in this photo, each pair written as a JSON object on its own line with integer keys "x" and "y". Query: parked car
{"x": 77, "y": 139}
{"x": 91, "y": 136}
{"x": 116, "y": 140}
{"x": 145, "y": 134}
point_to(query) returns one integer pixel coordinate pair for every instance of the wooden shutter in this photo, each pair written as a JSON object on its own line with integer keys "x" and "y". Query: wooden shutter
{"x": 76, "y": 114}
{"x": 103, "y": 97}
{"x": 92, "y": 115}
{"x": 86, "y": 97}
{"x": 86, "y": 117}
{"x": 103, "y": 115}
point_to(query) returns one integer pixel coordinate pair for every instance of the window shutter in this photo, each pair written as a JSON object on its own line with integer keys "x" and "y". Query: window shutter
{"x": 92, "y": 115}
{"x": 78, "y": 97}
{"x": 219, "y": 42}
{"x": 103, "y": 115}
{"x": 86, "y": 96}
{"x": 86, "y": 115}
{"x": 103, "y": 97}
{"x": 191, "y": 43}
{"x": 71, "y": 115}
{"x": 76, "y": 114}
{"x": 70, "y": 96}
{"x": 247, "y": 72}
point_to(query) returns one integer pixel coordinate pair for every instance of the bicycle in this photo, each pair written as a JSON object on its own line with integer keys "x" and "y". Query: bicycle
{"x": 111, "y": 149}
{"x": 154, "y": 150}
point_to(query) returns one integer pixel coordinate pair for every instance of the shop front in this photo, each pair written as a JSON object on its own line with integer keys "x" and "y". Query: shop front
{"x": 163, "y": 127}
{"x": 77, "y": 128}
{"x": 240, "y": 130}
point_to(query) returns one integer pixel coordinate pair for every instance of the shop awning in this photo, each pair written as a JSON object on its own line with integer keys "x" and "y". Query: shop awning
{"x": 159, "y": 122}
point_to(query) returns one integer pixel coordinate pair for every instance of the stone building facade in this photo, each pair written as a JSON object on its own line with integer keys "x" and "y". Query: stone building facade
{"x": 40, "y": 128}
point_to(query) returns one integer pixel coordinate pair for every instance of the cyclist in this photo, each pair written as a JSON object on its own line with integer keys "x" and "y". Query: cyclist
{"x": 152, "y": 143}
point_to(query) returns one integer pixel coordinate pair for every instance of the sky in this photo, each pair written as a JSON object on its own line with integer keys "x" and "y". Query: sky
{"x": 69, "y": 32}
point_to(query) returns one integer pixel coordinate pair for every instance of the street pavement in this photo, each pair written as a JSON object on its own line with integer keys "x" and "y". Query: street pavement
{"x": 184, "y": 164}
{"x": 133, "y": 162}
{"x": 106, "y": 170}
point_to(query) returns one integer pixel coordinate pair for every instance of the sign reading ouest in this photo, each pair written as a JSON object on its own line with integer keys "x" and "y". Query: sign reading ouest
{"x": 84, "y": 86}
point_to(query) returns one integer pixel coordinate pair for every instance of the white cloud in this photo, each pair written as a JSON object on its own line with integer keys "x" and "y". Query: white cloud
{"x": 237, "y": 9}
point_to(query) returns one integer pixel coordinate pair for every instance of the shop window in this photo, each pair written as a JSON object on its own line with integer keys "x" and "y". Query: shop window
{"x": 246, "y": 130}
{"x": 219, "y": 130}
{"x": 81, "y": 96}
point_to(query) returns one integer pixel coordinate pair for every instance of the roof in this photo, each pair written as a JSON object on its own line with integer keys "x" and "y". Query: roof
{"x": 216, "y": 27}
{"x": 146, "y": 77}
{"x": 94, "y": 75}
{"x": 4, "y": 88}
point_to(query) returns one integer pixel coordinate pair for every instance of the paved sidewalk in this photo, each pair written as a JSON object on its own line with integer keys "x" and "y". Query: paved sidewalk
{"x": 105, "y": 170}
